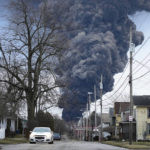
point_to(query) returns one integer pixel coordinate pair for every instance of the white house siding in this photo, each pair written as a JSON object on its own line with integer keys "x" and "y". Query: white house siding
{"x": 3, "y": 125}
{"x": 2, "y": 133}
{"x": 141, "y": 123}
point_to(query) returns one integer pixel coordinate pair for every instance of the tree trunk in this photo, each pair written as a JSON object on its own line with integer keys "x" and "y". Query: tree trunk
{"x": 31, "y": 113}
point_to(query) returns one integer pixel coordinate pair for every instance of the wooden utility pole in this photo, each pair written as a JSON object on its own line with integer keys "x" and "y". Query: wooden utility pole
{"x": 101, "y": 108}
{"x": 95, "y": 106}
{"x": 90, "y": 132}
{"x": 87, "y": 124}
{"x": 132, "y": 48}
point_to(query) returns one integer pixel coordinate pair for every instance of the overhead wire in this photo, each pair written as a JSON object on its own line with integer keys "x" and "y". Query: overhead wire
{"x": 108, "y": 97}
{"x": 141, "y": 75}
{"x": 127, "y": 76}
{"x": 116, "y": 98}
{"x": 142, "y": 60}
{"x": 138, "y": 50}
{"x": 118, "y": 88}
{"x": 142, "y": 65}
{"x": 122, "y": 74}
{"x": 112, "y": 101}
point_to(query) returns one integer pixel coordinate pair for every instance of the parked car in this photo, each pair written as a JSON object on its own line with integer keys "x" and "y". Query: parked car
{"x": 106, "y": 135}
{"x": 41, "y": 134}
{"x": 57, "y": 136}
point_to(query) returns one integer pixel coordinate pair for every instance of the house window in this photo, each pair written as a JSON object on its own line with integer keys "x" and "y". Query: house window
{"x": 148, "y": 112}
{"x": 148, "y": 128}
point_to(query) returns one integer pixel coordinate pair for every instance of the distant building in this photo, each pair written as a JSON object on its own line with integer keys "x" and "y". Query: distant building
{"x": 106, "y": 120}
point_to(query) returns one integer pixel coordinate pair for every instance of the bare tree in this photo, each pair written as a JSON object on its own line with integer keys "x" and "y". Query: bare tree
{"x": 32, "y": 48}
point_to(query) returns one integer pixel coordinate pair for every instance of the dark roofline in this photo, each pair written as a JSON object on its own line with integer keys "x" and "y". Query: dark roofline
{"x": 143, "y": 100}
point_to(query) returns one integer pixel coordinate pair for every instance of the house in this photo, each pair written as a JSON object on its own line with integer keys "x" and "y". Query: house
{"x": 119, "y": 107}
{"x": 124, "y": 126}
{"x": 121, "y": 121}
{"x": 11, "y": 124}
{"x": 142, "y": 116}
{"x": 7, "y": 124}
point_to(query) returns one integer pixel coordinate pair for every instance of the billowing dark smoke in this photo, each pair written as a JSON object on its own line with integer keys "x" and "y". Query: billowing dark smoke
{"x": 99, "y": 45}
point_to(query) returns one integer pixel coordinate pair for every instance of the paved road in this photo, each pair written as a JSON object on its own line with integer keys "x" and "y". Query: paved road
{"x": 62, "y": 145}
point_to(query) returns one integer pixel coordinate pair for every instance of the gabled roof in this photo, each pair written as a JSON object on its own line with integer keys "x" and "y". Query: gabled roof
{"x": 121, "y": 107}
{"x": 143, "y": 100}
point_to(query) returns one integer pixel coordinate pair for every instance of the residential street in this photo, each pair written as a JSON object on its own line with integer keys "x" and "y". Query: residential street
{"x": 62, "y": 145}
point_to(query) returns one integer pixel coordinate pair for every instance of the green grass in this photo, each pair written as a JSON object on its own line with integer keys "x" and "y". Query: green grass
{"x": 135, "y": 145}
{"x": 16, "y": 140}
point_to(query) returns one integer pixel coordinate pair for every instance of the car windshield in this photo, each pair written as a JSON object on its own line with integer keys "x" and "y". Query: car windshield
{"x": 41, "y": 130}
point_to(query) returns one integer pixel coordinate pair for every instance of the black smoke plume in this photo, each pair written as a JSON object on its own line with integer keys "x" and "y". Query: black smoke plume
{"x": 98, "y": 31}
{"x": 98, "y": 46}
{"x": 99, "y": 40}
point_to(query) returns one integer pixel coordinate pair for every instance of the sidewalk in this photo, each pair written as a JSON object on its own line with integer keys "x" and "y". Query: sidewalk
{"x": 135, "y": 145}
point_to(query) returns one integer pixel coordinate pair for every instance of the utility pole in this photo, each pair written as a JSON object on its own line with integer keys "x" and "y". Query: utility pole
{"x": 101, "y": 108}
{"x": 95, "y": 106}
{"x": 84, "y": 130}
{"x": 90, "y": 93}
{"x": 132, "y": 48}
{"x": 86, "y": 138}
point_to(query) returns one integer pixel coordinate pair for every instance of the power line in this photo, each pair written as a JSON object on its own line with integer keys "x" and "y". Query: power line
{"x": 118, "y": 88}
{"x": 112, "y": 101}
{"x": 141, "y": 75}
{"x": 127, "y": 76}
{"x": 142, "y": 65}
{"x": 122, "y": 74}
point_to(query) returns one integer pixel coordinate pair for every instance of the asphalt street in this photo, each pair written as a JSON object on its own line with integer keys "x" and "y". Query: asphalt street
{"x": 61, "y": 145}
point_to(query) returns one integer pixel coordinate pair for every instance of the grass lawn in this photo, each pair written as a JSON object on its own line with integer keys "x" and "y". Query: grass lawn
{"x": 135, "y": 145}
{"x": 16, "y": 140}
